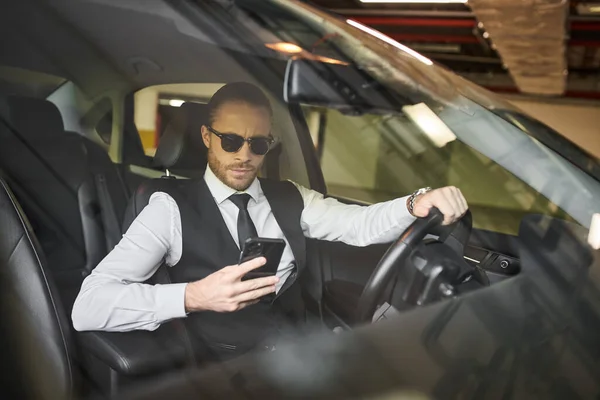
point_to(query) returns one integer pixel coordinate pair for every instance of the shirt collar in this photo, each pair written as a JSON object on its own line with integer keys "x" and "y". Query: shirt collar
{"x": 221, "y": 191}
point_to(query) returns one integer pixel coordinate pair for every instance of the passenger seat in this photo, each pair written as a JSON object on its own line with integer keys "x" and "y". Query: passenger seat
{"x": 66, "y": 184}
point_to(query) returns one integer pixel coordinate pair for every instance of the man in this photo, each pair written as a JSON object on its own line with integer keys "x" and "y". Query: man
{"x": 197, "y": 229}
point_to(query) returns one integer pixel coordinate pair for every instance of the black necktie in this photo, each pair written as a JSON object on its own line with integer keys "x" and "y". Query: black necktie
{"x": 245, "y": 226}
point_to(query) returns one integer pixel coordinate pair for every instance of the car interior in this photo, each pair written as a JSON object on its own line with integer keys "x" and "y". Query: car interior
{"x": 75, "y": 208}
{"x": 74, "y": 173}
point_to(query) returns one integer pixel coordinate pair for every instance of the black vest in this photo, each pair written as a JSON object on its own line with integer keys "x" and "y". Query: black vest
{"x": 208, "y": 246}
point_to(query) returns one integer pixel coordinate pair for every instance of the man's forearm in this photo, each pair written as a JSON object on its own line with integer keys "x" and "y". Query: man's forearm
{"x": 378, "y": 223}
{"x": 113, "y": 297}
{"x": 109, "y": 305}
{"x": 329, "y": 219}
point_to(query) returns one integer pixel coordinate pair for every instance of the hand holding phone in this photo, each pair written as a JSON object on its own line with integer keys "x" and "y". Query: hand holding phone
{"x": 271, "y": 249}
{"x": 223, "y": 291}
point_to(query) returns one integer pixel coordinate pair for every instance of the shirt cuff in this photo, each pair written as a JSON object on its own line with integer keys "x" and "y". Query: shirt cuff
{"x": 401, "y": 213}
{"x": 170, "y": 300}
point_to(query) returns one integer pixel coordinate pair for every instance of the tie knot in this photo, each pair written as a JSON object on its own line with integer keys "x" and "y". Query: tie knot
{"x": 240, "y": 200}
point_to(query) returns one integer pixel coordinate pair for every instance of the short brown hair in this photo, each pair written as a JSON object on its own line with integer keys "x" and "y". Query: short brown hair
{"x": 242, "y": 92}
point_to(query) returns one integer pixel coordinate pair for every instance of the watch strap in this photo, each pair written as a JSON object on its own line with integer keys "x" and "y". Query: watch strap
{"x": 413, "y": 197}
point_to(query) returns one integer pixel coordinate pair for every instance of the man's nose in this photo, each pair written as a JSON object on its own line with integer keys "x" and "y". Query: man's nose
{"x": 244, "y": 153}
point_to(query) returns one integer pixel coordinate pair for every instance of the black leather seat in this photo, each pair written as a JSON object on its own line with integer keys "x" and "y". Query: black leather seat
{"x": 40, "y": 357}
{"x": 55, "y": 172}
{"x": 67, "y": 186}
{"x": 181, "y": 149}
{"x": 37, "y": 351}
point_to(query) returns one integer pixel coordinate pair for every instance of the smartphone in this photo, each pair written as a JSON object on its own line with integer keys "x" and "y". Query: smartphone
{"x": 271, "y": 249}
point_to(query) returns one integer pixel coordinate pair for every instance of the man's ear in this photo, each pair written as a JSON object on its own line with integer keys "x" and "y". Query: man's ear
{"x": 205, "y": 136}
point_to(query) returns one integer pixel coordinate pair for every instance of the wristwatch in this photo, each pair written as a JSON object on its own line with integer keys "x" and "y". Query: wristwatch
{"x": 410, "y": 203}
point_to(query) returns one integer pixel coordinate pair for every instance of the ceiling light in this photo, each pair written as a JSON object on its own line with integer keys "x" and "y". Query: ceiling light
{"x": 389, "y": 40}
{"x": 413, "y": 1}
{"x": 176, "y": 102}
{"x": 431, "y": 125}
{"x": 436, "y": 48}
{"x": 594, "y": 233}
{"x": 290, "y": 48}
{"x": 284, "y": 47}
{"x": 588, "y": 8}
{"x": 323, "y": 59}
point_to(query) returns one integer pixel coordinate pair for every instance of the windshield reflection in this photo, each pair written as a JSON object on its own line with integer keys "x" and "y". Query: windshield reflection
{"x": 523, "y": 146}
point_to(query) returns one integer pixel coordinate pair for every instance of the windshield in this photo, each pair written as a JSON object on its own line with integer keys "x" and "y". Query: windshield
{"x": 408, "y": 124}
{"x": 439, "y": 130}
{"x": 99, "y": 97}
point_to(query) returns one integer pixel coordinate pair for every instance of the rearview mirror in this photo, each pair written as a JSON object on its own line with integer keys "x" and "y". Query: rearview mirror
{"x": 346, "y": 87}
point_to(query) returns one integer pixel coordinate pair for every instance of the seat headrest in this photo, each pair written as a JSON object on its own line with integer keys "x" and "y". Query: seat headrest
{"x": 181, "y": 145}
{"x": 34, "y": 118}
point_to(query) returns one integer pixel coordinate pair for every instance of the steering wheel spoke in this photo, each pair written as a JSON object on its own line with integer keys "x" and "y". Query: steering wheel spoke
{"x": 429, "y": 270}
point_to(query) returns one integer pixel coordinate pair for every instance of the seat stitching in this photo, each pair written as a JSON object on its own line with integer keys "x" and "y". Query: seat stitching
{"x": 12, "y": 253}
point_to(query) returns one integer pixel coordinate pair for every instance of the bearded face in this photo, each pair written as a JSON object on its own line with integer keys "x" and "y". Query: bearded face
{"x": 238, "y": 169}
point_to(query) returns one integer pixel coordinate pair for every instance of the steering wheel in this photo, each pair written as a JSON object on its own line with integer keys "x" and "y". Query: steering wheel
{"x": 438, "y": 265}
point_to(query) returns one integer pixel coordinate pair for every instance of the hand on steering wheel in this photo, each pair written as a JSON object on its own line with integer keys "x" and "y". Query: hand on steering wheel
{"x": 454, "y": 236}
{"x": 449, "y": 200}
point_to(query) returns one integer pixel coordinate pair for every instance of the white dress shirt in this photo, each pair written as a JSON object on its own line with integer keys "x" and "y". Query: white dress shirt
{"x": 112, "y": 297}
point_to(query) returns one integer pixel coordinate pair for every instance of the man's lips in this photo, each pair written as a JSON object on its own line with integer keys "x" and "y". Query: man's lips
{"x": 241, "y": 171}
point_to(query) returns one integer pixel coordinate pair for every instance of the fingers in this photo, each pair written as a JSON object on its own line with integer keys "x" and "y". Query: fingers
{"x": 248, "y": 266}
{"x": 255, "y": 284}
{"x": 462, "y": 202}
{"x": 450, "y": 201}
{"x": 448, "y": 205}
{"x": 246, "y": 304}
{"x": 253, "y": 295}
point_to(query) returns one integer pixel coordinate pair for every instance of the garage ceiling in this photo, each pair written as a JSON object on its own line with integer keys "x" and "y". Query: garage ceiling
{"x": 542, "y": 47}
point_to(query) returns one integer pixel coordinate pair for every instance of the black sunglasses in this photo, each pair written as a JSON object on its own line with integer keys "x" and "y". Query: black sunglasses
{"x": 232, "y": 143}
